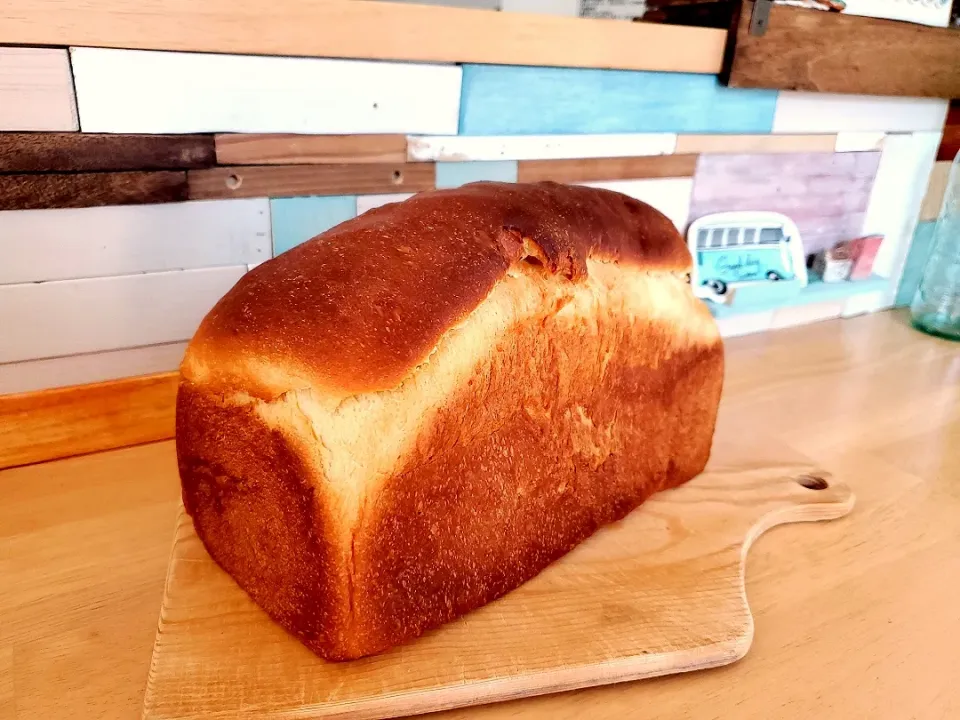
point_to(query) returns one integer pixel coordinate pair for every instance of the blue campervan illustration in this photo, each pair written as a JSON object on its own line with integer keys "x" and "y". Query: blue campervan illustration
{"x": 735, "y": 249}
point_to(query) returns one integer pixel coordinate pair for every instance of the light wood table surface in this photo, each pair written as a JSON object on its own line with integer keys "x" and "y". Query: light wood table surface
{"x": 860, "y": 619}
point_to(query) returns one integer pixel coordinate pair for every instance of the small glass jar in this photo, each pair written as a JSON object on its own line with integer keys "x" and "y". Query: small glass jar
{"x": 936, "y": 304}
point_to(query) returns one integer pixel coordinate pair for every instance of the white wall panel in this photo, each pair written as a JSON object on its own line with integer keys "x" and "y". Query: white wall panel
{"x": 70, "y": 317}
{"x": 60, "y": 244}
{"x": 139, "y": 91}
{"x": 807, "y": 112}
{"x": 31, "y": 375}
{"x": 538, "y": 147}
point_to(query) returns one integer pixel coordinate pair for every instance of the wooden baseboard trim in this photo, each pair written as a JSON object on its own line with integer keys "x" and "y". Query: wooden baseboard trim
{"x": 63, "y": 422}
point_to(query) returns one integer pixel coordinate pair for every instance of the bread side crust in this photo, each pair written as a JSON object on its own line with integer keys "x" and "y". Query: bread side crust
{"x": 371, "y": 463}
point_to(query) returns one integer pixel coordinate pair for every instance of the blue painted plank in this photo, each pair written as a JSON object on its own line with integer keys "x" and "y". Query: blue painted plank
{"x": 513, "y": 100}
{"x": 298, "y": 219}
{"x": 916, "y": 262}
{"x": 455, "y": 174}
{"x": 815, "y": 292}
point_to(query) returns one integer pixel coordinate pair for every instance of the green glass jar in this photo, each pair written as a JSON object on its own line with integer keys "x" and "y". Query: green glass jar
{"x": 936, "y": 304}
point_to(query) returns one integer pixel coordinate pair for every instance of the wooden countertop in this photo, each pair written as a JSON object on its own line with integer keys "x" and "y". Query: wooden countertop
{"x": 856, "y": 620}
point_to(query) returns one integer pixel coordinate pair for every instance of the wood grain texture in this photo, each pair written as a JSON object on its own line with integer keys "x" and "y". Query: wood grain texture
{"x": 294, "y": 180}
{"x": 658, "y": 593}
{"x": 74, "y": 243}
{"x": 40, "y": 426}
{"x": 376, "y": 30}
{"x": 695, "y": 144}
{"x": 825, "y": 194}
{"x": 584, "y": 170}
{"x": 36, "y": 90}
{"x": 79, "y": 190}
{"x": 861, "y": 606}
{"x": 950, "y": 144}
{"x": 834, "y": 52}
{"x": 71, "y": 152}
{"x": 244, "y": 149}
{"x": 136, "y": 91}
{"x": 500, "y": 100}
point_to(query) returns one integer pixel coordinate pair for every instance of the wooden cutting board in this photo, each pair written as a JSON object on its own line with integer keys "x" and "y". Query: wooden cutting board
{"x": 660, "y": 592}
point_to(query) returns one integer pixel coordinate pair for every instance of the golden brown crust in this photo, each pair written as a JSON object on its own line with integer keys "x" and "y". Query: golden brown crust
{"x": 556, "y": 401}
{"x": 356, "y": 308}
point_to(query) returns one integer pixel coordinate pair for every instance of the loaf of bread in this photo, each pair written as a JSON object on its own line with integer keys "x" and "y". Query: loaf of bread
{"x": 417, "y": 411}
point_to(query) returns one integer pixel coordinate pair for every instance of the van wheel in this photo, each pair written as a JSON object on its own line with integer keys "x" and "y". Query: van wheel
{"x": 718, "y": 286}
{"x": 774, "y": 275}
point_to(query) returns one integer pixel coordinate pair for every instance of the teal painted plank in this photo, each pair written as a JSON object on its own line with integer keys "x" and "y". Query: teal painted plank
{"x": 512, "y": 100}
{"x": 298, "y": 219}
{"x": 455, "y": 174}
{"x": 815, "y": 292}
{"x": 916, "y": 262}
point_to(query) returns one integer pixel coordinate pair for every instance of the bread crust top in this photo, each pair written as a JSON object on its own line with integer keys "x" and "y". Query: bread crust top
{"x": 358, "y": 307}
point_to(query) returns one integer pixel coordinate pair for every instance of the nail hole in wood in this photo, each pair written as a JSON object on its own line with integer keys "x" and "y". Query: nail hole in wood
{"x": 813, "y": 482}
{"x": 234, "y": 181}
{"x": 397, "y": 177}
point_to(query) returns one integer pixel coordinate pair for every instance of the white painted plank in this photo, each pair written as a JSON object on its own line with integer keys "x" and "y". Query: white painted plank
{"x": 898, "y": 191}
{"x": 671, "y": 196}
{"x": 369, "y": 202}
{"x": 32, "y": 375}
{"x": 70, "y": 317}
{"x": 745, "y": 324}
{"x": 538, "y": 147}
{"x": 859, "y": 141}
{"x": 568, "y": 8}
{"x": 864, "y": 303}
{"x": 36, "y": 90}
{"x": 936, "y": 14}
{"x": 803, "y": 112}
{"x": 62, "y": 244}
{"x": 137, "y": 91}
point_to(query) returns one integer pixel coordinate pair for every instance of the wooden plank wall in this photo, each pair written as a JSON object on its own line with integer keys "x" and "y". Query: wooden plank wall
{"x": 191, "y": 168}
{"x": 834, "y": 52}
{"x": 375, "y": 30}
{"x": 826, "y": 194}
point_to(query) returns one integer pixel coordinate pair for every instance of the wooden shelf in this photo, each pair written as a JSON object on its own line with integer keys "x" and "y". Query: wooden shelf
{"x": 806, "y": 49}
{"x": 369, "y": 29}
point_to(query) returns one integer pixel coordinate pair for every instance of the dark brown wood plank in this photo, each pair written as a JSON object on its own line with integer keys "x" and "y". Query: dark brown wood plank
{"x": 295, "y": 180}
{"x": 242, "y": 149}
{"x": 62, "y": 422}
{"x": 950, "y": 143}
{"x": 71, "y": 152}
{"x": 27, "y": 192}
{"x": 625, "y": 168}
{"x": 807, "y": 49}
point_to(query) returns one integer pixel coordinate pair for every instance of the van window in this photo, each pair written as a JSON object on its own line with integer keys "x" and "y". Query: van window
{"x": 702, "y": 238}
{"x": 749, "y": 236}
{"x": 771, "y": 236}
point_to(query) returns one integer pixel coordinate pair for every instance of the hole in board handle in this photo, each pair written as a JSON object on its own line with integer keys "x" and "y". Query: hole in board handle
{"x": 233, "y": 181}
{"x": 397, "y": 177}
{"x": 813, "y": 482}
